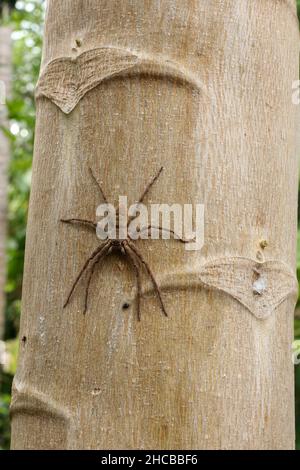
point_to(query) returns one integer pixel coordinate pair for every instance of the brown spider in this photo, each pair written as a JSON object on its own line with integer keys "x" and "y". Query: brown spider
{"x": 125, "y": 247}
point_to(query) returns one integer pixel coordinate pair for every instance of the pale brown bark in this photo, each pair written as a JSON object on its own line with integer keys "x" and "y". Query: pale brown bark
{"x": 204, "y": 89}
{"x": 5, "y": 77}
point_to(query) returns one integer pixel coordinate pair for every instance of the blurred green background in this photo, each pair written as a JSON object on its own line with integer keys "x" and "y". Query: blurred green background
{"x": 26, "y": 21}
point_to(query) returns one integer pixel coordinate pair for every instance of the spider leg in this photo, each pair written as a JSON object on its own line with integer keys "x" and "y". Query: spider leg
{"x": 138, "y": 279}
{"x": 162, "y": 229}
{"x": 141, "y": 259}
{"x": 99, "y": 257}
{"x": 87, "y": 223}
{"x": 98, "y": 184}
{"x": 86, "y": 264}
{"x": 150, "y": 186}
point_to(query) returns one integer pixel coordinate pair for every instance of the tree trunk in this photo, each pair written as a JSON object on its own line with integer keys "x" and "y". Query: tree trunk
{"x": 5, "y": 79}
{"x": 204, "y": 90}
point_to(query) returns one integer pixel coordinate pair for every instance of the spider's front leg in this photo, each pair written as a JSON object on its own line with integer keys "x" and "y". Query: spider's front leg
{"x": 169, "y": 231}
{"x": 149, "y": 186}
{"x": 85, "y": 223}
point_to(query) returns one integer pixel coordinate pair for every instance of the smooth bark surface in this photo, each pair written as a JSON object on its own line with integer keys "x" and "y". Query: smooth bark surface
{"x": 5, "y": 78}
{"x": 202, "y": 88}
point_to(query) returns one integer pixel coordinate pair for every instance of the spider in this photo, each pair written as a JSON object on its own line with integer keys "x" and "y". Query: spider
{"x": 125, "y": 247}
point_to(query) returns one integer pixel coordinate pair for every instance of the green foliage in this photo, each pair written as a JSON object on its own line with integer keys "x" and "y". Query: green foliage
{"x": 297, "y": 331}
{"x": 27, "y": 36}
{"x": 4, "y": 419}
{"x": 26, "y": 21}
{"x": 297, "y": 367}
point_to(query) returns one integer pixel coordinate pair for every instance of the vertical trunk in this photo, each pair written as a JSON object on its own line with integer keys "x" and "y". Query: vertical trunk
{"x": 5, "y": 78}
{"x": 204, "y": 89}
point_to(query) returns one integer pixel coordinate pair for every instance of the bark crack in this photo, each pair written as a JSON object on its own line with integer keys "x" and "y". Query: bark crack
{"x": 260, "y": 287}
{"x": 66, "y": 80}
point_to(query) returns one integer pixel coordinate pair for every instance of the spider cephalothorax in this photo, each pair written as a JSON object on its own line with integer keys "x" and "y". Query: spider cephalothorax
{"x": 126, "y": 247}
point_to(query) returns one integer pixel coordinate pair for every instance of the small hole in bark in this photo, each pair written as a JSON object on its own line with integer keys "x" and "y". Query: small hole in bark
{"x": 125, "y": 306}
{"x": 263, "y": 244}
{"x": 24, "y": 340}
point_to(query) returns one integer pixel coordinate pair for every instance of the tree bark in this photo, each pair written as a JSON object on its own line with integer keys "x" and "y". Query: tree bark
{"x": 5, "y": 78}
{"x": 204, "y": 90}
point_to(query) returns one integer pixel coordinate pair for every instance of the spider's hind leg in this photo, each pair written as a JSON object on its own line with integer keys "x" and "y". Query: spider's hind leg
{"x": 99, "y": 258}
{"x": 138, "y": 255}
{"x": 138, "y": 279}
{"x": 98, "y": 250}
